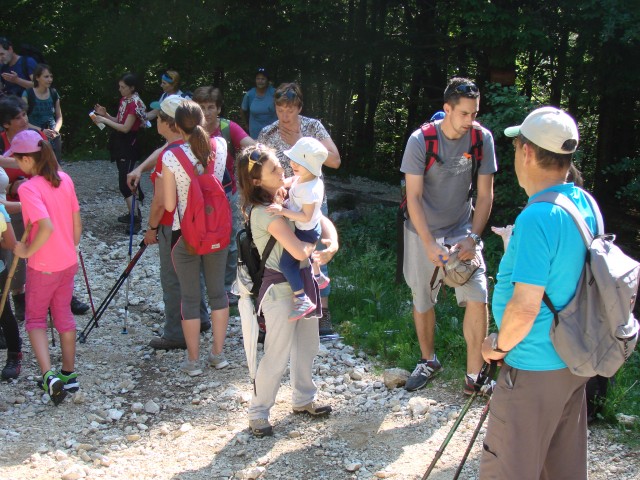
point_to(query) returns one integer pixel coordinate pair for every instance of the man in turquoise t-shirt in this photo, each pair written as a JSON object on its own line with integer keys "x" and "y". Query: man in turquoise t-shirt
{"x": 538, "y": 427}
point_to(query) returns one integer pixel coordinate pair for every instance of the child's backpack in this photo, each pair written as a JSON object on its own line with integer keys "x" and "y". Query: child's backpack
{"x": 597, "y": 331}
{"x": 430, "y": 135}
{"x": 206, "y": 223}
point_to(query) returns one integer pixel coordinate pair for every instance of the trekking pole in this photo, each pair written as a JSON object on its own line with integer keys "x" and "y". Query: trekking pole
{"x": 53, "y": 338}
{"x": 86, "y": 281}
{"x": 131, "y": 227}
{"x": 82, "y": 337}
{"x": 484, "y": 377}
{"x": 12, "y": 270}
{"x": 483, "y": 416}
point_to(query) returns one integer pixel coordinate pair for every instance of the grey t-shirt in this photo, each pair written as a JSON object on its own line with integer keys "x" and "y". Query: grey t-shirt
{"x": 445, "y": 195}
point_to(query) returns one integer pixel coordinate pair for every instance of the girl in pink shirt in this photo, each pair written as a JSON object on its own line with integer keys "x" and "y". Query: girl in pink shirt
{"x": 50, "y": 206}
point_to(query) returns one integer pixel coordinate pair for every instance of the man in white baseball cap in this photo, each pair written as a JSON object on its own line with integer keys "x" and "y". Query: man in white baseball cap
{"x": 538, "y": 427}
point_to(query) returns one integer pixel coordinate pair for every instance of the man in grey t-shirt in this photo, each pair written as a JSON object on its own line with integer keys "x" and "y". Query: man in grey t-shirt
{"x": 441, "y": 213}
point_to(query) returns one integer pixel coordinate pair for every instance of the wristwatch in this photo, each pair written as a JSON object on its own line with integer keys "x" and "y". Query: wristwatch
{"x": 494, "y": 346}
{"x": 476, "y": 238}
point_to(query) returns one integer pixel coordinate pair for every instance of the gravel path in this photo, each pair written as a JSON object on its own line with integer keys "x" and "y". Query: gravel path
{"x": 136, "y": 417}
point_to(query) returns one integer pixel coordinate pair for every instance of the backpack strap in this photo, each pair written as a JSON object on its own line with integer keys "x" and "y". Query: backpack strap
{"x": 225, "y": 131}
{"x": 477, "y": 153}
{"x": 567, "y": 205}
{"x": 31, "y": 100}
{"x": 430, "y": 135}
{"x": 267, "y": 249}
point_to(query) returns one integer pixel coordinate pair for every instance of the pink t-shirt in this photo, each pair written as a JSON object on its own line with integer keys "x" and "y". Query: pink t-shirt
{"x": 41, "y": 200}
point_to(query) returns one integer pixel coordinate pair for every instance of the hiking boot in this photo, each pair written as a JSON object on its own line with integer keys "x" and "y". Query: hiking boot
{"x": 137, "y": 226}
{"x": 78, "y": 307}
{"x": 18, "y": 306}
{"x": 191, "y": 367}
{"x": 70, "y": 382}
{"x": 261, "y": 427}
{"x": 54, "y": 387}
{"x": 483, "y": 390}
{"x": 205, "y": 327}
{"x": 12, "y": 368}
{"x": 325, "y": 328}
{"x": 161, "y": 343}
{"x": 126, "y": 218}
{"x": 313, "y": 409}
{"x": 323, "y": 280}
{"x": 217, "y": 361}
{"x": 301, "y": 308}
{"x": 423, "y": 373}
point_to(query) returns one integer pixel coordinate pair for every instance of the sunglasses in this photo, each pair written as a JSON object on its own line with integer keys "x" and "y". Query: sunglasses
{"x": 467, "y": 90}
{"x": 255, "y": 156}
{"x": 288, "y": 94}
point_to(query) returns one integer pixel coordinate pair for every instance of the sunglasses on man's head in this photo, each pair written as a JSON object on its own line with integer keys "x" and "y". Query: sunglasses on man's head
{"x": 468, "y": 90}
{"x": 287, "y": 94}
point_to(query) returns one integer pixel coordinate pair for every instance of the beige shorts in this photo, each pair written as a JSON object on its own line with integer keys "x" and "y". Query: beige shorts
{"x": 418, "y": 271}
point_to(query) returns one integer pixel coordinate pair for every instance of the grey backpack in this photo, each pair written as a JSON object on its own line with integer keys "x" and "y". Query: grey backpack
{"x": 597, "y": 331}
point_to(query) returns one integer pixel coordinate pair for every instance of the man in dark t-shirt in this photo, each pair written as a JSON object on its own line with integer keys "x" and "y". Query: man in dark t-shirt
{"x": 16, "y": 70}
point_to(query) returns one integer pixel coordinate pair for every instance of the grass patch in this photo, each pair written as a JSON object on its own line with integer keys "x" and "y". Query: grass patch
{"x": 374, "y": 313}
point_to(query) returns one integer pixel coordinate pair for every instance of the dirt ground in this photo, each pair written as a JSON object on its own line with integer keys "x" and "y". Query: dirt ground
{"x": 137, "y": 417}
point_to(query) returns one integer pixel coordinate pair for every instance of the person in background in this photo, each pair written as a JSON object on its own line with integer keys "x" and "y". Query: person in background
{"x": 282, "y": 135}
{"x": 43, "y": 107}
{"x": 257, "y": 106}
{"x": 123, "y": 143}
{"x": 211, "y": 102}
{"x": 170, "y": 84}
{"x": 16, "y": 70}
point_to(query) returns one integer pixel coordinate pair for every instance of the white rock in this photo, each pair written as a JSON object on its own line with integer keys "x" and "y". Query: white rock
{"x": 151, "y": 407}
{"x": 626, "y": 420}
{"x": 115, "y": 414}
{"x": 353, "y": 466}
{"x": 74, "y": 473}
{"x": 251, "y": 473}
{"x": 418, "y": 406}
{"x": 137, "y": 407}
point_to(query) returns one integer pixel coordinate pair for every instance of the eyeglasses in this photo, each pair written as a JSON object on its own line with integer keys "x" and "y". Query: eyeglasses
{"x": 261, "y": 70}
{"x": 289, "y": 94}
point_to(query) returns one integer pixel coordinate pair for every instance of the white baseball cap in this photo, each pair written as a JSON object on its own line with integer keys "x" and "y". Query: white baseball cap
{"x": 309, "y": 153}
{"x": 549, "y": 128}
{"x": 170, "y": 104}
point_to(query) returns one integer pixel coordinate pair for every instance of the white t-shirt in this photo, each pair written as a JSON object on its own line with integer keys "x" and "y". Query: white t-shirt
{"x": 182, "y": 178}
{"x": 306, "y": 193}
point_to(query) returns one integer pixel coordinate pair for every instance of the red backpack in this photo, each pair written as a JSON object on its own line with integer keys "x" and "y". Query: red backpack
{"x": 206, "y": 223}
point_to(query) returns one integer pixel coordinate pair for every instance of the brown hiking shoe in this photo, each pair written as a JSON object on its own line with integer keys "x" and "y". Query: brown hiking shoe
{"x": 161, "y": 343}
{"x": 261, "y": 427}
{"x": 313, "y": 409}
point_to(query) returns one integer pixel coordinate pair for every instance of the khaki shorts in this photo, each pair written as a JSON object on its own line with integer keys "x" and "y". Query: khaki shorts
{"x": 418, "y": 271}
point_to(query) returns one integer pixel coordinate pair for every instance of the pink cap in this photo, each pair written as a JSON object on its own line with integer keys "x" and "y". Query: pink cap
{"x": 27, "y": 141}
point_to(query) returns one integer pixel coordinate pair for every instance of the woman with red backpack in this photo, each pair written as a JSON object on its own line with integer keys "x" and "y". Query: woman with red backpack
{"x": 206, "y": 157}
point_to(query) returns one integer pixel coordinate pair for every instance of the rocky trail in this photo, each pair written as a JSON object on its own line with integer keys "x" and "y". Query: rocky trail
{"x": 137, "y": 417}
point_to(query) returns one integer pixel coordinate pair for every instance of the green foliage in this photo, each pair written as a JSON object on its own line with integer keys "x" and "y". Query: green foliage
{"x": 629, "y": 171}
{"x": 624, "y": 395}
{"x": 506, "y": 107}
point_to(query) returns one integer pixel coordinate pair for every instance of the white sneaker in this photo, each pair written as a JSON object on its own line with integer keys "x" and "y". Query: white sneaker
{"x": 218, "y": 361}
{"x": 191, "y": 367}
